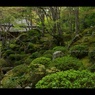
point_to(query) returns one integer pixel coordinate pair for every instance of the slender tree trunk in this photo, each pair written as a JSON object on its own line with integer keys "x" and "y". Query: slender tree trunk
{"x": 70, "y": 19}
{"x": 77, "y": 36}
{"x": 77, "y": 20}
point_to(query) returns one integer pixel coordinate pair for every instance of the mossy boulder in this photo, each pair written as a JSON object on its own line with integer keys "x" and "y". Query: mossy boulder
{"x": 3, "y": 63}
{"x": 51, "y": 70}
{"x": 37, "y": 71}
{"x": 91, "y": 55}
{"x": 17, "y": 76}
{"x": 67, "y": 63}
{"x": 57, "y": 54}
{"x": 79, "y": 51}
{"x": 48, "y": 54}
{"x": 60, "y": 48}
{"x": 41, "y": 60}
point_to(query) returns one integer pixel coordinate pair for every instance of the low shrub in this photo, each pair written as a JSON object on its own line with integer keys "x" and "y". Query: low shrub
{"x": 68, "y": 79}
{"x": 6, "y": 53}
{"x": 48, "y": 54}
{"x": 16, "y": 57}
{"x": 91, "y": 56}
{"x": 18, "y": 76}
{"x": 28, "y": 60}
{"x": 79, "y": 51}
{"x": 10, "y": 82}
{"x": 67, "y": 37}
{"x": 91, "y": 68}
{"x": 35, "y": 55}
{"x": 14, "y": 46}
{"x": 37, "y": 71}
{"x": 3, "y": 62}
{"x": 20, "y": 70}
{"x": 41, "y": 60}
{"x": 60, "y": 48}
{"x": 52, "y": 70}
{"x": 66, "y": 63}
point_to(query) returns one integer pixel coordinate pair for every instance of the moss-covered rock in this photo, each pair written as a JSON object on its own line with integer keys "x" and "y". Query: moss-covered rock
{"x": 41, "y": 60}
{"x": 67, "y": 63}
{"x": 79, "y": 51}
{"x": 17, "y": 76}
{"x": 48, "y": 54}
{"x": 91, "y": 55}
{"x": 52, "y": 70}
{"x": 37, "y": 71}
{"x": 3, "y": 63}
{"x": 60, "y": 48}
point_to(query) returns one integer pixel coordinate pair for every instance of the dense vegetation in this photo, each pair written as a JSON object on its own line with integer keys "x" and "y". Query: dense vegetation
{"x": 47, "y": 47}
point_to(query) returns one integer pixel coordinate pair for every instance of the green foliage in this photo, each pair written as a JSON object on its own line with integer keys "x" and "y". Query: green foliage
{"x": 16, "y": 62}
{"x": 88, "y": 21}
{"x": 79, "y": 51}
{"x": 67, "y": 37}
{"x": 28, "y": 60}
{"x": 48, "y": 54}
{"x": 31, "y": 57}
{"x": 37, "y": 71}
{"x": 35, "y": 55}
{"x": 13, "y": 46}
{"x": 91, "y": 56}
{"x": 34, "y": 35}
{"x": 7, "y": 53}
{"x": 58, "y": 40}
{"x": 3, "y": 62}
{"x": 91, "y": 68}
{"x": 32, "y": 47}
{"x": 20, "y": 70}
{"x": 21, "y": 37}
{"x": 41, "y": 60}
{"x": 16, "y": 57}
{"x": 18, "y": 76}
{"x": 87, "y": 31}
{"x": 46, "y": 45}
{"x": 11, "y": 82}
{"x": 51, "y": 70}
{"x": 60, "y": 48}
{"x": 68, "y": 79}
{"x": 66, "y": 63}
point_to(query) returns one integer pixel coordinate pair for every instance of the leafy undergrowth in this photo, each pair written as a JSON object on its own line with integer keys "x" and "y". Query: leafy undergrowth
{"x": 86, "y": 61}
{"x": 40, "y": 53}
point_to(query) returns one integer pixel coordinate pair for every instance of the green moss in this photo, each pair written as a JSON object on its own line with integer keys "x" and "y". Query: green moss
{"x": 91, "y": 55}
{"x": 51, "y": 70}
{"x": 79, "y": 51}
{"x": 20, "y": 70}
{"x": 41, "y": 60}
{"x": 37, "y": 71}
{"x": 19, "y": 75}
{"x": 67, "y": 63}
{"x": 60, "y": 48}
{"x": 86, "y": 61}
{"x": 3, "y": 62}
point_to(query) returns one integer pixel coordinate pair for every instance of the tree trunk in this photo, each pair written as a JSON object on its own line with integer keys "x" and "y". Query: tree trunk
{"x": 77, "y": 20}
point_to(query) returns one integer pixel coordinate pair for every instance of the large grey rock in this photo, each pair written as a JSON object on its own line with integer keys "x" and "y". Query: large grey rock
{"x": 57, "y": 54}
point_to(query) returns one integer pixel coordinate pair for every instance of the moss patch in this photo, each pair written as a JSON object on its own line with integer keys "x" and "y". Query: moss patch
{"x": 86, "y": 61}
